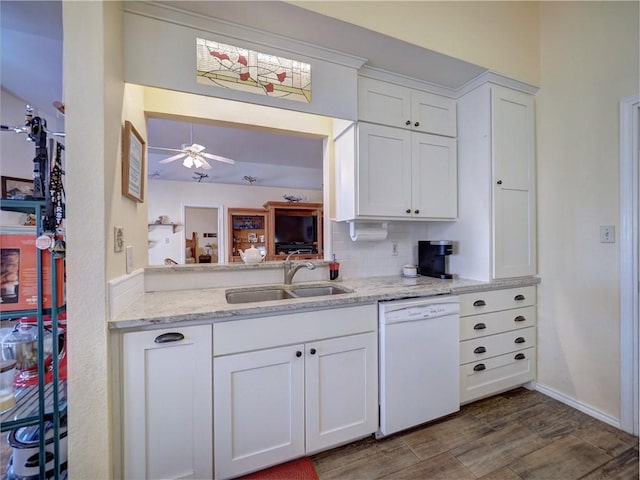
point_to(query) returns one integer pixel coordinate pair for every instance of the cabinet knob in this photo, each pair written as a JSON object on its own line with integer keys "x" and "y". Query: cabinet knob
{"x": 480, "y": 350}
{"x": 479, "y": 303}
{"x": 169, "y": 337}
{"x": 408, "y": 210}
{"x": 479, "y": 326}
{"x": 519, "y": 298}
{"x": 499, "y": 182}
{"x": 479, "y": 367}
{"x": 298, "y": 354}
{"x": 408, "y": 122}
{"x": 519, "y": 318}
{"x": 312, "y": 351}
{"x": 519, "y": 356}
{"x": 417, "y": 124}
{"x": 416, "y": 211}
{"x": 519, "y": 340}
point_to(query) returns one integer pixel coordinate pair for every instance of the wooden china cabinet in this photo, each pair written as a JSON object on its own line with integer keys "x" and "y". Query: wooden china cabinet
{"x": 247, "y": 228}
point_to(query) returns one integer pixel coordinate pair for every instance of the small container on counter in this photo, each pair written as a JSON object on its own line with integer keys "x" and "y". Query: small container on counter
{"x": 334, "y": 268}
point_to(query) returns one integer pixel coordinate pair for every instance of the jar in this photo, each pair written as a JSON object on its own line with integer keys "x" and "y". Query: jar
{"x": 7, "y": 372}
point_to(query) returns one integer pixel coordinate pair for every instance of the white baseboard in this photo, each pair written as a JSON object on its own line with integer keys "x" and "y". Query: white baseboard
{"x": 572, "y": 402}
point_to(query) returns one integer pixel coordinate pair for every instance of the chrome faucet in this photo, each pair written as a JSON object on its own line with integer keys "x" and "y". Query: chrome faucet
{"x": 290, "y": 268}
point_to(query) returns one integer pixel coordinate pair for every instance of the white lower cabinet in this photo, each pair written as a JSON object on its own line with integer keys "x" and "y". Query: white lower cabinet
{"x": 167, "y": 414}
{"x": 278, "y": 403}
{"x": 498, "y": 341}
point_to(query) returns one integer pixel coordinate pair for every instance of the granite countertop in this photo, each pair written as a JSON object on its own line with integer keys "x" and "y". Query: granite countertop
{"x": 210, "y": 304}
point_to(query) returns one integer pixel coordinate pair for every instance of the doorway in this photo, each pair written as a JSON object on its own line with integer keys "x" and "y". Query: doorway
{"x": 203, "y": 234}
{"x": 629, "y": 263}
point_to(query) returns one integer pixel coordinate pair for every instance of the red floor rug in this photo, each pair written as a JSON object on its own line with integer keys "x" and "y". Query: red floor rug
{"x": 300, "y": 469}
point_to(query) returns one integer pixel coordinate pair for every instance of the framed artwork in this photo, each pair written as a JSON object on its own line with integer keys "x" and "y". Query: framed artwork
{"x": 18, "y": 188}
{"x": 133, "y": 150}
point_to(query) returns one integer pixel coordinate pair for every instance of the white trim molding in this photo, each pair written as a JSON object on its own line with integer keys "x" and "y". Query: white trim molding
{"x": 125, "y": 290}
{"x": 584, "y": 408}
{"x": 629, "y": 263}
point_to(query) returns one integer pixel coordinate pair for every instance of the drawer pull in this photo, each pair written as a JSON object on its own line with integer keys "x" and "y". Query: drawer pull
{"x": 479, "y": 367}
{"x": 169, "y": 337}
{"x": 479, "y": 350}
{"x": 519, "y": 318}
{"x": 479, "y": 303}
{"x": 479, "y": 326}
{"x": 519, "y": 356}
{"x": 519, "y": 298}
{"x": 520, "y": 340}
{"x": 312, "y": 351}
{"x": 408, "y": 122}
{"x": 298, "y": 354}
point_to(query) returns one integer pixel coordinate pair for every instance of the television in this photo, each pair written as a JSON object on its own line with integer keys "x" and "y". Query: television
{"x": 296, "y": 232}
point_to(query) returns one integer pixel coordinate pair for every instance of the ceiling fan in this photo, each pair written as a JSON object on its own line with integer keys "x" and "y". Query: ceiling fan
{"x": 193, "y": 155}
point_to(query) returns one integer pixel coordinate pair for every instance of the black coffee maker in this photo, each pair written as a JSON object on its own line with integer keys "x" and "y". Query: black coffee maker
{"x": 431, "y": 258}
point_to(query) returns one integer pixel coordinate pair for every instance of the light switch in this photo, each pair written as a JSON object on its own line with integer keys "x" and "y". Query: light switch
{"x": 607, "y": 234}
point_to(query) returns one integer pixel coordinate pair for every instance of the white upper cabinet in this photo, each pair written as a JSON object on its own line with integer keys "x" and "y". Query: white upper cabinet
{"x": 496, "y": 230}
{"x": 398, "y": 106}
{"x": 395, "y": 174}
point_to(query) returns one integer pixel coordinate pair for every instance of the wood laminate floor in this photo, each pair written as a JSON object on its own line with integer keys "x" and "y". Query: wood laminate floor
{"x": 518, "y": 435}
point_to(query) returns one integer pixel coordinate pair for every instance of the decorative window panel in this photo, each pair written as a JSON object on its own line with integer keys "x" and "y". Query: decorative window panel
{"x": 228, "y": 66}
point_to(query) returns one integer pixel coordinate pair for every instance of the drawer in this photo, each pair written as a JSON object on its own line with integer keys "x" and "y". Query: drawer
{"x": 477, "y": 326}
{"x": 494, "y": 345}
{"x": 497, "y": 374}
{"x": 496, "y": 300}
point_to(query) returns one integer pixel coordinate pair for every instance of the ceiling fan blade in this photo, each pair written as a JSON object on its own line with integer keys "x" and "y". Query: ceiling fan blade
{"x": 171, "y": 159}
{"x": 205, "y": 164}
{"x": 165, "y": 149}
{"x": 218, "y": 158}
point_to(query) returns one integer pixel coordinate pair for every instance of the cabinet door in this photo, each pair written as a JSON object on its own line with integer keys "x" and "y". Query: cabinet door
{"x": 258, "y": 409}
{"x": 167, "y": 403}
{"x": 432, "y": 113}
{"x": 384, "y": 103}
{"x": 341, "y": 390}
{"x": 514, "y": 229}
{"x": 434, "y": 175}
{"x": 384, "y": 171}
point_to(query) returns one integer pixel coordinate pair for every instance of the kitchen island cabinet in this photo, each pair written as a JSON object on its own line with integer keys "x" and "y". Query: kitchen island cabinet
{"x": 290, "y": 385}
{"x": 166, "y": 396}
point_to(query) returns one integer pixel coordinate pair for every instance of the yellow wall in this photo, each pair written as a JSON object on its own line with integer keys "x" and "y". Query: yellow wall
{"x": 589, "y": 54}
{"x": 500, "y": 36}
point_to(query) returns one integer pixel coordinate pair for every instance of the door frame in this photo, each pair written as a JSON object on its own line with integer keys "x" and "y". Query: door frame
{"x": 221, "y": 232}
{"x": 629, "y": 250}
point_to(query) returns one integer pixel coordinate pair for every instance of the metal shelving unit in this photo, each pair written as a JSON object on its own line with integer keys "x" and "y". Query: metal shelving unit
{"x": 43, "y": 405}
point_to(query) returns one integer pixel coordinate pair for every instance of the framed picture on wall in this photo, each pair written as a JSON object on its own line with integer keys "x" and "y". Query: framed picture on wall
{"x": 133, "y": 149}
{"x": 18, "y": 188}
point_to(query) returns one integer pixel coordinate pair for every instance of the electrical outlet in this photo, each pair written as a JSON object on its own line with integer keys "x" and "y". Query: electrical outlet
{"x": 394, "y": 249}
{"x": 118, "y": 239}
{"x": 607, "y": 234}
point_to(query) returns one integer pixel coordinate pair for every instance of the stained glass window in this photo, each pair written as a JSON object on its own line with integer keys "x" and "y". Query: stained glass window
{"x": 228, "y": 66}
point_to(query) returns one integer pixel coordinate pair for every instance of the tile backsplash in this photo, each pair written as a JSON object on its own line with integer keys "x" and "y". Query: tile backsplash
{"x": 369, "y": 259}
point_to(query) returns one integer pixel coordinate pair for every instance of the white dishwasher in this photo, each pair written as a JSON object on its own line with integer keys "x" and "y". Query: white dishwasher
{"x": 419, "y": 361}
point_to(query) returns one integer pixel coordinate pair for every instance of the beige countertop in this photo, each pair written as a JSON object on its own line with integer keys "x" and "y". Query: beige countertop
{"x": 210, "y": 305}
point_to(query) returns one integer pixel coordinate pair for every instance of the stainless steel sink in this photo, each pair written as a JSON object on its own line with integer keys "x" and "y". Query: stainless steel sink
{"x": 319, "y": 291}
{"x": 263, "y": 294}
{"x": 258, "y": 295}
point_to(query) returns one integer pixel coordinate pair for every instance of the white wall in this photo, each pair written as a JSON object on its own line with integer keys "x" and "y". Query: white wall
{"x": 589, "y": 53}
{"x": 16, "y": 153}
{"x": 170, "y": 198}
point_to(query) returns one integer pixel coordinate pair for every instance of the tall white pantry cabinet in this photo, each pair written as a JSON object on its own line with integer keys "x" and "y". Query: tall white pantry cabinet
{"x": 496, "y": 229}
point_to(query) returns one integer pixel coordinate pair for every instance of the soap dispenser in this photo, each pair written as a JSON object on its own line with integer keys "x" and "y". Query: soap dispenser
{"x": 334, "y": 268}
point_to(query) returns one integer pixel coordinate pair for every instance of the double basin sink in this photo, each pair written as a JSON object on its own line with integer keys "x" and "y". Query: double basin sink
{"x": 266, "y": 293}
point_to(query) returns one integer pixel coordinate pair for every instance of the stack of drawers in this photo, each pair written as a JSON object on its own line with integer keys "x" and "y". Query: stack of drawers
{"x": 497, "y": 341}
